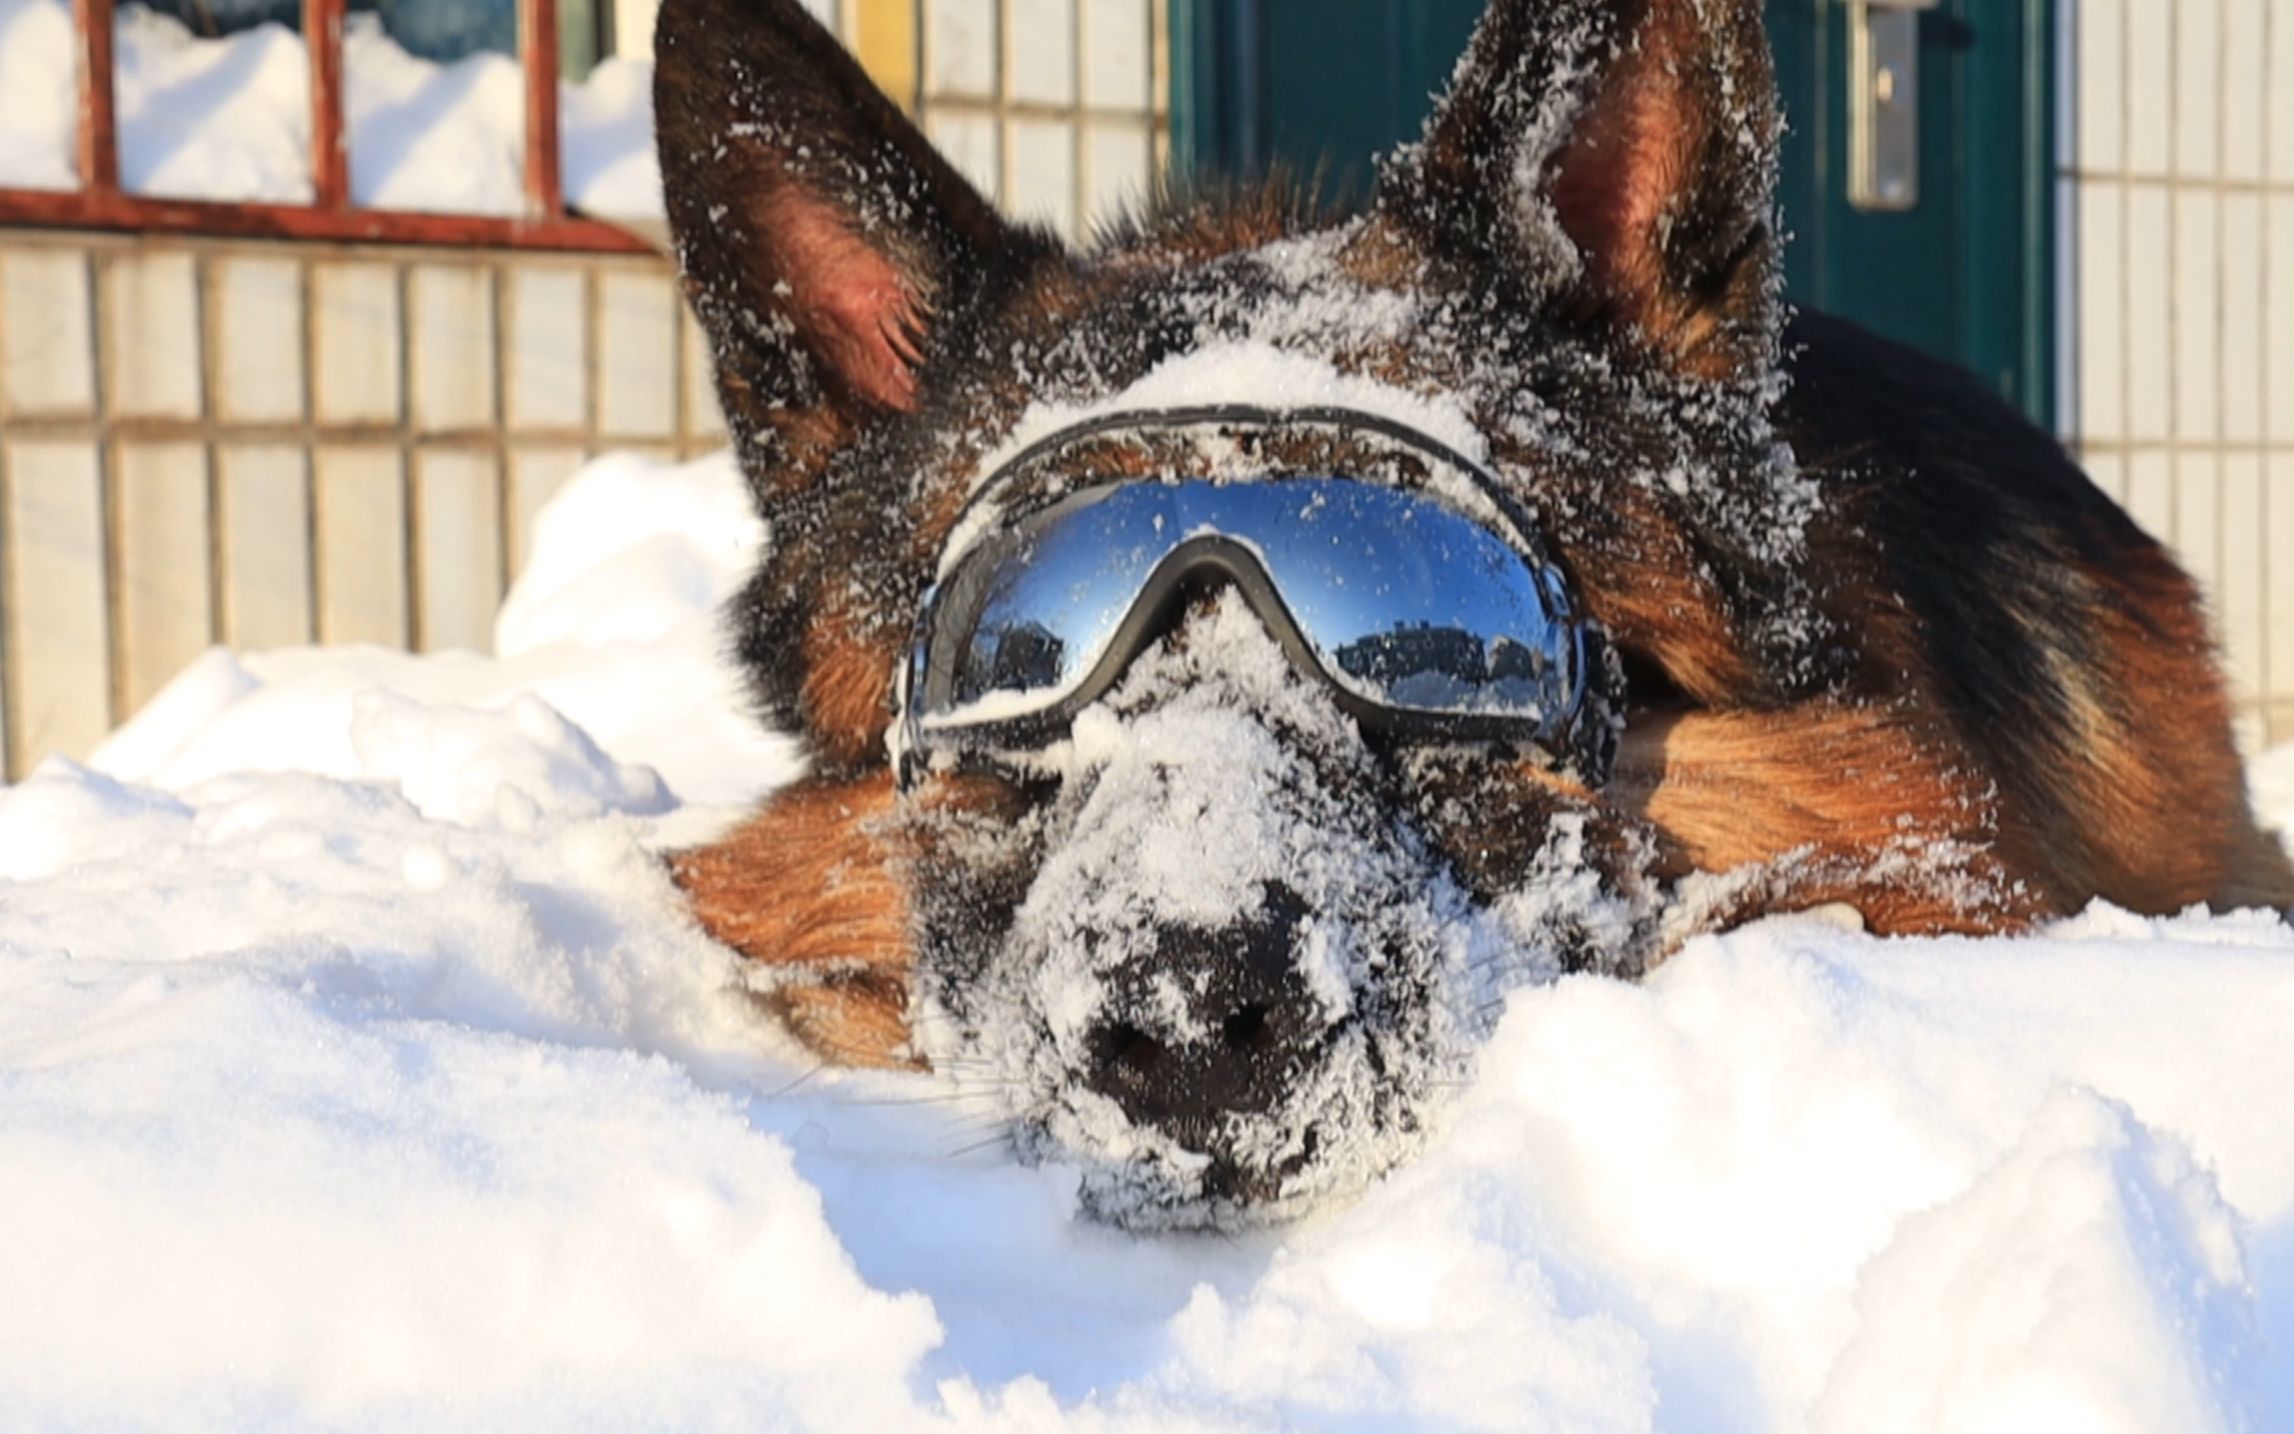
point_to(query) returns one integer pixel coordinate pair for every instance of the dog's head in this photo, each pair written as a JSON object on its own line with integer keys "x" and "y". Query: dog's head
{"x": 1216, "y": 937}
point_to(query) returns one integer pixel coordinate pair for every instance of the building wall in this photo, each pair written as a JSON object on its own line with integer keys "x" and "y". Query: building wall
{"x": 272, "y": 444}
{"x": 1058, "y": 109}
{"x": 2178, "y": 187}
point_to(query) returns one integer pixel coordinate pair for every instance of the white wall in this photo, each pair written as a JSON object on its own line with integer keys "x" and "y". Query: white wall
{"x": 274, "y": 444}
{"x": 2179, "y": 300}
{"x": 1055, "y": 107}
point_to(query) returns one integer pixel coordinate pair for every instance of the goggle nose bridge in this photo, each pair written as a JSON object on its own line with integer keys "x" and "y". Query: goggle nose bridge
{"x": 1173, "y": 582}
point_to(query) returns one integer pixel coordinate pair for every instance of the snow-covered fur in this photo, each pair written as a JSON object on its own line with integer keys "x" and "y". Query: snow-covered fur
{"x": 1879, "y": 642}
{"x": 1217, "y": 783}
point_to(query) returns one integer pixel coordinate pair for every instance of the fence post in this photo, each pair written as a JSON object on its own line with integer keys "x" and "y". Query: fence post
{"x": 538, "y": 50}
{"x": 330, "y": 151}
{"x": 99, "y": 125}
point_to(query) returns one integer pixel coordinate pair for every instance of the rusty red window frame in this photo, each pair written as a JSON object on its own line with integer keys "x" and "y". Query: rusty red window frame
{"x": 100, "y": 203}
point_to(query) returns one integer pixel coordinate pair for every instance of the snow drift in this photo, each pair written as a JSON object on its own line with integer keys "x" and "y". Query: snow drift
{"x": 358, "y": 1065}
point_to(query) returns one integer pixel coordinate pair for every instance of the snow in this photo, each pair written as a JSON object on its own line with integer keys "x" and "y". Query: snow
{"x": 229, "y": 118}
{"x": 358, "y": 1066}
{"x": 1254, "y": 373}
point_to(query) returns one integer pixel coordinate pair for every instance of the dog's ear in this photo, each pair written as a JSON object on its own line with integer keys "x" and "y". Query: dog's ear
{"x": 820, "y": 235}
{"x": 1616, "y": 156}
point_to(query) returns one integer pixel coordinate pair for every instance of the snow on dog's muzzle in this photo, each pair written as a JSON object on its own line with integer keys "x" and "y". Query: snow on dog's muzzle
{"x": 1237, "y": 976}
{"x": 1236, "y": 982}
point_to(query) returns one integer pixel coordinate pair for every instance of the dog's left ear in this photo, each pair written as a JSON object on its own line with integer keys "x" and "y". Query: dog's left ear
{"x": 1617, "y": 158}
{"x": 820, "y": 235}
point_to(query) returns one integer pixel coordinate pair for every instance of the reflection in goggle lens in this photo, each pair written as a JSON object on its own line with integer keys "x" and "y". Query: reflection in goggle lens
{"x": 1397, "y": 599}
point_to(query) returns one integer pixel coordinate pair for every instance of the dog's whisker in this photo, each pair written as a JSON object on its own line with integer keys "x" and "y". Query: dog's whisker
{"x": 799, "y": 1081}
{"x": 960, "y": 1062}
{"x": 973, "y": 1072}
{"x": 1000, "y": 1138}
{"x": 944, "y": 1098}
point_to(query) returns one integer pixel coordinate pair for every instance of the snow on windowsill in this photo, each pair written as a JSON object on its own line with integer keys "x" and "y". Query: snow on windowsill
{"x": 229, "y": 119}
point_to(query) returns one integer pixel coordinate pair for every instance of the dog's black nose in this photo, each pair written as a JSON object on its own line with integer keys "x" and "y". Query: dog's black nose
{"x": 1216, "y": 1023}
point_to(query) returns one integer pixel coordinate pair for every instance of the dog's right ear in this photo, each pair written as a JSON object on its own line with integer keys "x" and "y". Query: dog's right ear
{"x": 819, "y": 234}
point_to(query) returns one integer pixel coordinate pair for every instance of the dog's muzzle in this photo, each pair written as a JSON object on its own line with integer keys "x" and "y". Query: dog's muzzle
{"x": 1430, "y": 610}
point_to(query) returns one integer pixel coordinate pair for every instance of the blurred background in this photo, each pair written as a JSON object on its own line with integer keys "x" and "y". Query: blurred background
{"x": 296, "y": 338}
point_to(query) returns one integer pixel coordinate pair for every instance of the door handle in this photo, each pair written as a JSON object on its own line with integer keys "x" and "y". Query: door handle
{"x": 1884, "y": 104}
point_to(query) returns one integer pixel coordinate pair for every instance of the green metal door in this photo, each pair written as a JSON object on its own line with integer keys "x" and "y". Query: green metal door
{"x": 1968, "y": 273}
{"x": 1316, "y": 87}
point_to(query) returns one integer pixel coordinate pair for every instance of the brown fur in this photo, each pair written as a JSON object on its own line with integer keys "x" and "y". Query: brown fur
{"x": 848, "y": 686}
{"x": 1822, "y": 796}
{"x": 1651, "y": 595}
{"x": 808, "y": 889}
{"x": 2166, "y": 767}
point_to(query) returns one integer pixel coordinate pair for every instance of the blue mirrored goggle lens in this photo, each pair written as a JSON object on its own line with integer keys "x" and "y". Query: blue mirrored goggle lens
{"x": 1402, "y": 602}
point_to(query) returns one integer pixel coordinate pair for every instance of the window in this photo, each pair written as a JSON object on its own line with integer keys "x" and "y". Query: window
{"x": 405, "y": 121}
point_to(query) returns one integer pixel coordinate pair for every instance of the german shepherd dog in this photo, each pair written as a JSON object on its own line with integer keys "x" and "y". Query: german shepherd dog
{"x": 1843, "y": 628}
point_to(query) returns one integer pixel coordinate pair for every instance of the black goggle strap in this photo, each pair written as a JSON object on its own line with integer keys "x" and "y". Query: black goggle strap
{"x": 1590, "y": 747}
{"x": 990, "y": 489}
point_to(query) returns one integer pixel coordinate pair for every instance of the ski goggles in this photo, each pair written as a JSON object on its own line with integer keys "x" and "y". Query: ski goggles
{"x": 1426, "y": 611}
